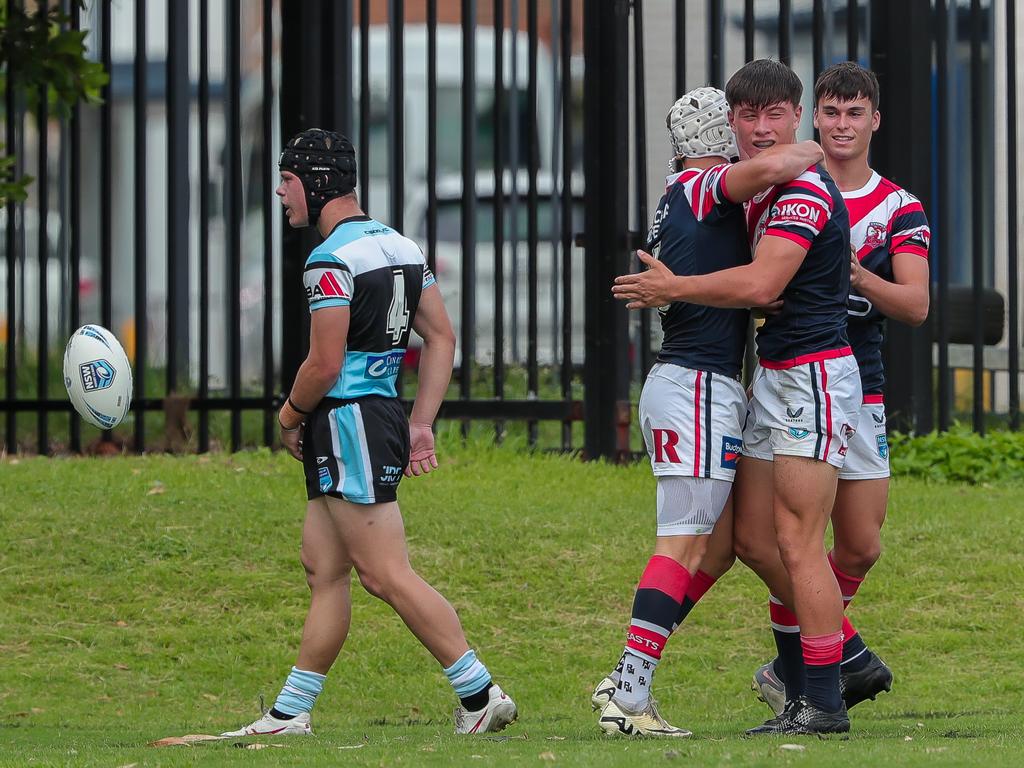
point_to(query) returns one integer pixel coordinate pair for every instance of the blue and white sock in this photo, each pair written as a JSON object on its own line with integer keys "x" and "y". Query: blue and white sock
{"x": 471, "y": 681}
{"x": 299, "y": 693}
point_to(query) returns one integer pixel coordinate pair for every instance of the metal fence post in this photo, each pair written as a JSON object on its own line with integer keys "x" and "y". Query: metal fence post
{"x": 300, "y": 109}
{"x": 606, "y": 157}
{"x": 178, "y": 105}
{"x": 901, "y": 56}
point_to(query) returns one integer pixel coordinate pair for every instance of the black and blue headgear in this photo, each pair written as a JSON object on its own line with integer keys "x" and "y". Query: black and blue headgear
{"x": 325, "y": 163}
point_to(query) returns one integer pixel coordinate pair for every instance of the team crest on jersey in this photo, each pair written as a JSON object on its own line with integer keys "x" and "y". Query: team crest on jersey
{"x": 324, "y": 476}
{"x": 731, "y": 447}
{"x": 876, "y": 235}
{"x": 883, "y": 446}
{"x": 797, "y": 434}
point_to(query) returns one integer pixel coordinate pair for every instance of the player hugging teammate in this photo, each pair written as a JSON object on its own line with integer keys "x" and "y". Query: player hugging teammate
{"x": 814, "y": 444}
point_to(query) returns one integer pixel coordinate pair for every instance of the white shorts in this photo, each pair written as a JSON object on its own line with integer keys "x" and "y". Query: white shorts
{"x": 868, "y": 456}
{"x": 810, "y": 409}
{"x": 692, "y": 422}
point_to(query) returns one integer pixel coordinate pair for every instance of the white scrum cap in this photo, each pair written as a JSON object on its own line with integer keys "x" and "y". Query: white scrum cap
{"x": 698, "y": 125}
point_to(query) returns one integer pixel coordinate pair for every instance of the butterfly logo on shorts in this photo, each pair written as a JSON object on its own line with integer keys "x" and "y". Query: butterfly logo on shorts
{"x": 794, "y": 414}
{"x": 878, "y": 419}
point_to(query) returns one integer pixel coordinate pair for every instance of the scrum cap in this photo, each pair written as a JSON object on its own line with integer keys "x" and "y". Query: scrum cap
{"x": 325, "y": 163}
{"x": 698, "y": 125}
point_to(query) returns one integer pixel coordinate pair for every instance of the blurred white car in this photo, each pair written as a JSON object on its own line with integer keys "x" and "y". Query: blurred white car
{"x": 515, "y": 291}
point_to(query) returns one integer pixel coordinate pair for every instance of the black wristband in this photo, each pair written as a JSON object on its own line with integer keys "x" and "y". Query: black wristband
{"x": 296, "y": 408}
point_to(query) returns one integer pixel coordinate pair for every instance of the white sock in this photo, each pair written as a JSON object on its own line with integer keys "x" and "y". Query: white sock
{"x": 635, "y": 683}
{"x": 616, "y": 674}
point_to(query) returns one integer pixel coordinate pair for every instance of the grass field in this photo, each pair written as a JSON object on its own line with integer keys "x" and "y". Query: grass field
{"x": 157, "y": 596}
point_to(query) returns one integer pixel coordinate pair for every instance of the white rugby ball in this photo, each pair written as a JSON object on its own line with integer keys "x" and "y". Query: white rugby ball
{"x": 98, "y": 376}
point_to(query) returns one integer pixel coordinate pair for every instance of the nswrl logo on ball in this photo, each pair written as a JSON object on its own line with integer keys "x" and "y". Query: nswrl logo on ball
{"x": 96, "y": 374}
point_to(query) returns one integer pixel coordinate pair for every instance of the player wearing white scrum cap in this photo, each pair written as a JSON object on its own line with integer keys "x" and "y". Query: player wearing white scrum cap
{"x": 692, "y": 406}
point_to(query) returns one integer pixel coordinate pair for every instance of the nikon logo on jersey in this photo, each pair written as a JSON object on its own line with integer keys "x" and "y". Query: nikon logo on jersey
{"x": 797, "y": 212}
{"x": 383, "y": 366}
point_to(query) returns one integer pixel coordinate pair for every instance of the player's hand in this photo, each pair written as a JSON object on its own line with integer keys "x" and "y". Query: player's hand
{"x": 422, "y": 459}
{"x": 652, "y": 288}
{"x": 291, "y": 439}
{"x": 856, "y": 270}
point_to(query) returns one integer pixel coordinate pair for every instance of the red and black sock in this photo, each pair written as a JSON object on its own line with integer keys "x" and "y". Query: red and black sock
{"x": 789, "y": 667}
{"x": 699, "y": 585}
{"x": 822, "y": 654}
{"x": 855, "y": 651}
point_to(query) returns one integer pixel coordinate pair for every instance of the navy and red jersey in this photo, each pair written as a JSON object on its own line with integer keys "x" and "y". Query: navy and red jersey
{"x": 884, "y": 220}
{"x": 698, "y": 230}
{"x": 812, "y": 322}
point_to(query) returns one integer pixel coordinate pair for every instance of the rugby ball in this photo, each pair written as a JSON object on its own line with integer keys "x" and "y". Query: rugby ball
{"x": 98, "y": 376}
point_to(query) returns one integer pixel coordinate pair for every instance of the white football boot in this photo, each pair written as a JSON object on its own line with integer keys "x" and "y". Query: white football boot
{"x": 615, "y": 720}
{"x": 268, "y": 725}
{"x": 499, "y": 712}
{"x": 602, "y": 694}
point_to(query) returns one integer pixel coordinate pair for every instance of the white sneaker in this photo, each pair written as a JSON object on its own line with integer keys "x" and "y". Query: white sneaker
{"x": 618, "y": 721}
{"x": 603, "y": 694}
{"x": 268, "y": 725}
{"x": 499, "y": 712}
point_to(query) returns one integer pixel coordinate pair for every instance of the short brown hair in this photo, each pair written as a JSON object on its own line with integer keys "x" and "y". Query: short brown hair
{"x": 847, "y": 81}
{"x": 763, "y": 82}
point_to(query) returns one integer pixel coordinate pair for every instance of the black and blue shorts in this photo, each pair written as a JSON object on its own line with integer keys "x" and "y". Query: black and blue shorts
{"x": 356, "y": 450}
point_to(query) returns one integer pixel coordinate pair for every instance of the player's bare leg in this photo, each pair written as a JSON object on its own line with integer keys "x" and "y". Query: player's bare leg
{"x": 328, "y": 573}
{"x": 756, "y": 545}
{"x": 804, "y": 494}
{"x": 857, "y": 520}
{"x": 754, "y": 534}
{"x": 375, "y": 537}
{"x": 719, "y": 554}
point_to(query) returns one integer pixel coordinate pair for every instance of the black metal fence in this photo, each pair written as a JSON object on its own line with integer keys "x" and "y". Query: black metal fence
{"x": 948, "y": 74}
{"x": 497, "y": 134}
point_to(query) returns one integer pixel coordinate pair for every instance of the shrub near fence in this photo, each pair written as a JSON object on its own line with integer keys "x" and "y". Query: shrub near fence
{"x": 959, "y": 456}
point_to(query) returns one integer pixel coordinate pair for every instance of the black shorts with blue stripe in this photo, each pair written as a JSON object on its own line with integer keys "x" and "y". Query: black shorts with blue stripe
{"x": 356, "y": 450}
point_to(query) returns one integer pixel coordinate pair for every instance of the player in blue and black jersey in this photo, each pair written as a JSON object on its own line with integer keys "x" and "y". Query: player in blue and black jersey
{"x": 368, "y": 287}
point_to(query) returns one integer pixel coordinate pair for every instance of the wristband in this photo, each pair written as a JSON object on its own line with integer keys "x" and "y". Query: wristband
{"x": 296, "y": 408}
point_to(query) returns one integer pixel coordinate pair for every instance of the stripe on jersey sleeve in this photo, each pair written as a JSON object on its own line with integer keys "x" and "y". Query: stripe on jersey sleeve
{"x": 910, "y": 230}
{"x": 801, "y": 210}
{"x": 328, "y": 284}
{"x": 704, "y": 189}
{"x": 428, "y": 278}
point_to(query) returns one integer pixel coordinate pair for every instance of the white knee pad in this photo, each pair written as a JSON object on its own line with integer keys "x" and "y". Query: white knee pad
{"x": 690, "y": 506}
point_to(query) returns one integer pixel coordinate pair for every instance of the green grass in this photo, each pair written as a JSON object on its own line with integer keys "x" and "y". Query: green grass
{"x": 152, "y": 596}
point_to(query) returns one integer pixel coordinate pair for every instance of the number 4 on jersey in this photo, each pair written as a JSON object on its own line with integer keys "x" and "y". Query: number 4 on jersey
{"x": 398, "y": 312}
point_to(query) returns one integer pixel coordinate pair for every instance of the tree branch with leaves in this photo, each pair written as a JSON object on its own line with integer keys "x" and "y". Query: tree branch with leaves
{"x": 40, "y": 53}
